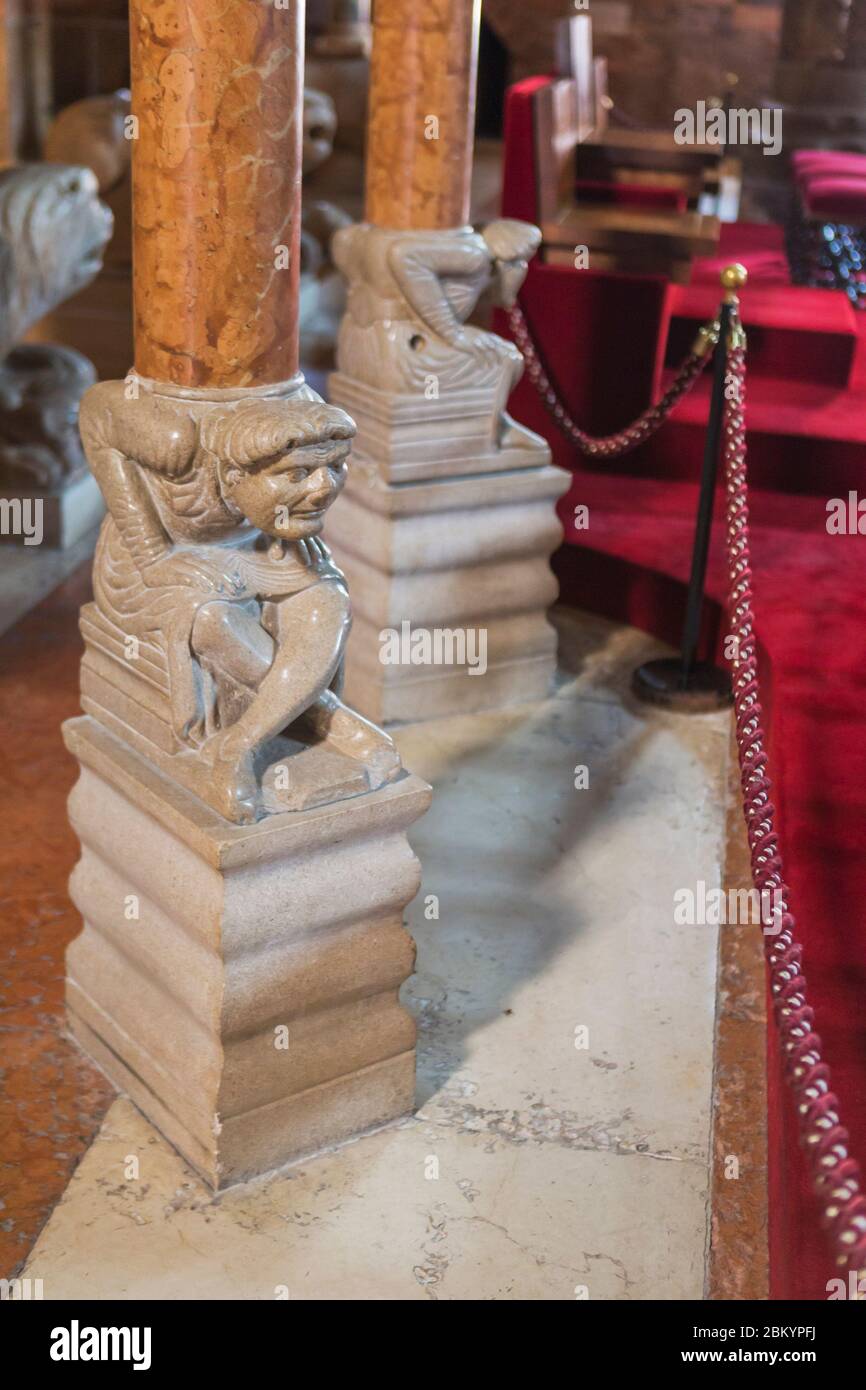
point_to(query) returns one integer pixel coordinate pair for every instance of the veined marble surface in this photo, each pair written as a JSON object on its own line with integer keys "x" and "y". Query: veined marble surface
{"x": 535, "y": 1168}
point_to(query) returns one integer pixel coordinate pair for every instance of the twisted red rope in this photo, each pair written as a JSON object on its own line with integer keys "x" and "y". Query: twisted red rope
{"x": 835, "y": 1174}
{"x": 612, "y": 445}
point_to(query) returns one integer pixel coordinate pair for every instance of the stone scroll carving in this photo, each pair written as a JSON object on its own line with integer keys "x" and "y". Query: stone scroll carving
{"x": 215, "y": 644}
{"x": 53, "y": 230}
{"x": 410, "y": 296}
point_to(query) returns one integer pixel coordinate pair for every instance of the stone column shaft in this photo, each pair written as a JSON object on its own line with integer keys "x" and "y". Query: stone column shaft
{"x": 217, "y": 92}
{"x": 421, "y": 120}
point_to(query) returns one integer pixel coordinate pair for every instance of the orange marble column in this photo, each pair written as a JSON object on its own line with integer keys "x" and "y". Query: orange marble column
{"x": 217, "y": 92}
{"x": 422, "y": 113}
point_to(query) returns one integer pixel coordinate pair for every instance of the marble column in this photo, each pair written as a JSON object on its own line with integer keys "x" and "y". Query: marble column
{"x": 449, "y": 521}
{"x": 244, "y": 863}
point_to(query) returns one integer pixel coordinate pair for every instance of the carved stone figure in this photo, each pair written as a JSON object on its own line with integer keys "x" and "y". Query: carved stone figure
{"x": 321, "y": 293}
{"x": 257, "y": 822}
{"x": 410, "y": 296}
{"x": 211, "y": 584}
{"x": 53, "y": 230}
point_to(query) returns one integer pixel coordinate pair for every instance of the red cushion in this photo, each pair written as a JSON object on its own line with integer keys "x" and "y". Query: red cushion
{"x": 842, "y": 199}
{"x": 633, "y": 195}
{"x": 831, "y": 162}
{"x": 764, "y": 267}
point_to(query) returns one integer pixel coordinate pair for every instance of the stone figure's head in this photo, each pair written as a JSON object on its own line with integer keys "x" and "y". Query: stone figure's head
{"x": 281, "y": 463}
{"x": 512, "y": 245}
{"x": 53, "y": 229}
{"x": 92, "y": 132}
{"x": 320, "y": 127}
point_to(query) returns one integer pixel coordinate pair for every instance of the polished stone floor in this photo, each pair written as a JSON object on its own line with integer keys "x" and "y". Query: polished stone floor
{"x": 566, "y": 1025}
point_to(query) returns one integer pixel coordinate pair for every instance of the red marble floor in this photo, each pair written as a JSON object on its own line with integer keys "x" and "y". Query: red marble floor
{"x": 51, "y": 1100}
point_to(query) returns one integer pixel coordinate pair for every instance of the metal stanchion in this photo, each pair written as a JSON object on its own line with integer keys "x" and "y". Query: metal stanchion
{"x": 684, "y": 682}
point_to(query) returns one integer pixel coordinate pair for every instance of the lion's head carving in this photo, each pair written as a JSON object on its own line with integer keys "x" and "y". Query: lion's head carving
{"x": 53, "y": 231}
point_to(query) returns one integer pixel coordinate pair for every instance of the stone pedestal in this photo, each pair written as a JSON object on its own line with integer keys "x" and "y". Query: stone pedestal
{"x": 464, "y": 558}
{"x": 448, "y": 523}
{"x": 241, "y": 983}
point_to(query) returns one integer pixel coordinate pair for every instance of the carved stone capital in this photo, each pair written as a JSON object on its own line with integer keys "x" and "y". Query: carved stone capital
{"x": 427, "y": 388}
{"x": 215, "y": 643}
{"x": 410, "y": 295}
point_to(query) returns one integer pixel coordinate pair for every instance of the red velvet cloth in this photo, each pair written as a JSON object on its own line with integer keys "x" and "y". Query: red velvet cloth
{"x": 839, "y": 198}
{"x": 795, "y": 332}
{"x": 759, "y": 246}
{"x": 808, "y": 163}
{"x": 519, "y": 191}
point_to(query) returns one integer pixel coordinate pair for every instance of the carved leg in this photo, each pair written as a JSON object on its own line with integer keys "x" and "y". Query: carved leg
{"x": 350, "y": 733}
{"x": 314, "y": 623}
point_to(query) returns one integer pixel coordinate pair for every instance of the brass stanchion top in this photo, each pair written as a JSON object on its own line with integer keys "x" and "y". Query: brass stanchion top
{"x": 733, "y": 278}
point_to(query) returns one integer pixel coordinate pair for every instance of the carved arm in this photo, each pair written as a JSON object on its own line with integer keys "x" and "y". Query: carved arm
{"x": 418, "y": 265}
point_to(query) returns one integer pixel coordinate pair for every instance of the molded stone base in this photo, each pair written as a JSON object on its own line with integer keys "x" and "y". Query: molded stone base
{"x": 241, "y": 983}
{"x": 466, "y": 555}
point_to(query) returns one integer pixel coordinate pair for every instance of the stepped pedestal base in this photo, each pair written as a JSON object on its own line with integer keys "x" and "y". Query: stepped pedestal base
{"x": 450, "y": 581}
{"x": 240, "y": 983}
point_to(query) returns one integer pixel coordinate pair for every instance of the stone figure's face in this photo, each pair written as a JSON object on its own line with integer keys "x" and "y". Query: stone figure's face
{"x": 288, "y": 496}
{"x": 51, "y": 217}
{"x": 320, "y": 127}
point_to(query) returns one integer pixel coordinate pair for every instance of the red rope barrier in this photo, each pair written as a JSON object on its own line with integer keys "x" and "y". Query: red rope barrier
{"x": 835, "y": 1174}
{"x": 612, "y": 445}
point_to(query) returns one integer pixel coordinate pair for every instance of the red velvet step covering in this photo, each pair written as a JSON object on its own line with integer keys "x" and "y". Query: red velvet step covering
{"x": 759, "y": 246}
{"x": 808, "y": 335}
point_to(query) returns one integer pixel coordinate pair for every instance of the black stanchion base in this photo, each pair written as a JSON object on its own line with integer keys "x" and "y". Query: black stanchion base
{"x": 661, "y": 683}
